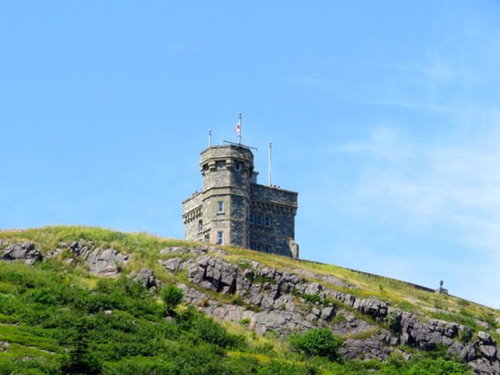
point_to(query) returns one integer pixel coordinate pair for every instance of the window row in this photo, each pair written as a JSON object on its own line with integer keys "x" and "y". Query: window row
{"x": 258, "y": 219}
{"x": 260, "y": 247}
{"x": 221, "y": 164}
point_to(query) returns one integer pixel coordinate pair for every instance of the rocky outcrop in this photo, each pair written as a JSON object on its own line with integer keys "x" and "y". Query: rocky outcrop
{"x": 146, "y": 278}
{"x": 27, "y": 252}
{"x": 172, "y": 264}
{"x": 105, "y": 262}
{"x": 371, "y": 348}
{"x": 268, "y": 299}
{"x": 178, "y": 251}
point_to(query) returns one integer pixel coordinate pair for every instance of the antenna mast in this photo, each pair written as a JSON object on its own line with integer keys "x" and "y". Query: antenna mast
{"x": 209, "y": 137}
{"x": 270, "y": 164}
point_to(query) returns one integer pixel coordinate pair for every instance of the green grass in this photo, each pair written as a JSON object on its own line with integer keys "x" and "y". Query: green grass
{"x": 145, "y": 253}
{"x": 51, "y": 310}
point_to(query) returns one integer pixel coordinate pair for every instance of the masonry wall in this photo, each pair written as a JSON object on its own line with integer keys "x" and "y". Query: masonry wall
{"x": 272, "y": 219}
{"x": 255, "y": 216}
{"x": 192, "y": 214}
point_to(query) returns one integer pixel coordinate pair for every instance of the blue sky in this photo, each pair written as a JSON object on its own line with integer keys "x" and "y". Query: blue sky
{"x": 383, "y": 116}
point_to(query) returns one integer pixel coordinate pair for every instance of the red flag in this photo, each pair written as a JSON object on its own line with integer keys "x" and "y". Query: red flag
{"x": 237, "y": 129}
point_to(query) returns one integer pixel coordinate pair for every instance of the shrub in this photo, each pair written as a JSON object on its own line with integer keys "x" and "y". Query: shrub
{"x": 465, "y": 336}
{"x": 172, "y": 296}
{"x": 394, "y": 322}
{"x": 490, "y": 320}
{"x": 339, "y": 318}
{"x": 425, "y": 366}
{"x": 312, "y": 298}
{"x": 245, "y": 321}
{"x": 81, "y": 360}
{"x": 276, "y": 367}
{"x": 317, "y": 342}
{"x": 213, "y": 333}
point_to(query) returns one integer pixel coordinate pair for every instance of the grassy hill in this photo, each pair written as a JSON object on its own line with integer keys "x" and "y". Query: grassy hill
{"x": 57, "y": 317}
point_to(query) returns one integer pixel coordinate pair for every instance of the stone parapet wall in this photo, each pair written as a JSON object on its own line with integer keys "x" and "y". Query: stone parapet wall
{"x": 226, "y": 152}
{"x": 228, "y": 179}
{"x": 272, "y": 194}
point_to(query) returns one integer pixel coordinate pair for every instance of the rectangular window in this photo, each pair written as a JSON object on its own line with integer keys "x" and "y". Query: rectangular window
{"x": 259, "y": 247}
{"x": 220, "y": 207}
{"x": 200, "y": 225}
{"x": 237, "y": 166}
{"x": 252, "y": 218}
{"x": 267, "y": 221}
{"x": 259, "y": 219}
{"x": 267, "y": 249}
{"x": 220, "y": 238}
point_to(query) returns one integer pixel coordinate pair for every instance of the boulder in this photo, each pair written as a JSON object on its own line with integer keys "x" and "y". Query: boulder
{"x": 485, "y": 338}
{"x": 81, "y": 248}
{"x": 147, "y": 279}
{"x": 105, "y": 262}
{"x": 172, "y": 264}
{"x": 488, "y": 351}
{"x": 371, "y": 348}
{"x": 482, "y": 366}
{"x": 22, "y": 251}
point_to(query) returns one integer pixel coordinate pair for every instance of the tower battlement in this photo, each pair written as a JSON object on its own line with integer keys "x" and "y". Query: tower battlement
{"x": 233, "y": 209}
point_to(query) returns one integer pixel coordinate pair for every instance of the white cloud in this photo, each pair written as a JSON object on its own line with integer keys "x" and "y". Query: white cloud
{"x": 459, "y": 183}
{"x": 453, "y": 184}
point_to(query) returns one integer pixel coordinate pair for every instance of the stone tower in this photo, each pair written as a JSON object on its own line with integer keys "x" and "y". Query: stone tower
{"x": 232, "y": 209}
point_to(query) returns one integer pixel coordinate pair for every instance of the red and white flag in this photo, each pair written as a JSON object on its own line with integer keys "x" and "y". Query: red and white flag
{"x": 237, "y": 129}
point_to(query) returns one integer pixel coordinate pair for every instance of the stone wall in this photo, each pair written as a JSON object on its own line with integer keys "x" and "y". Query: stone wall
{"x": 228, "y": 177}
{"x": 192, "y": 213}
{"x": 279, "y": 207}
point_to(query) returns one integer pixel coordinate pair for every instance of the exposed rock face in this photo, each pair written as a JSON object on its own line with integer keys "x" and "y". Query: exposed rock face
{"x": 371, "y": 348}
{"x": 266, "y": 299}
{"x": 172, "y": 264}
{"x": 273, "y": 300}
{"x": 99, "y": 261}
{"x": 22, "y": 251}
{"x": 176, "y": 250}
{"x": 147, "y": 279}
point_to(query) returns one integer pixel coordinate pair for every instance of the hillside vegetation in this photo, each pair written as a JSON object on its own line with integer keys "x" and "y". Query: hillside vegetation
{"x": 57, "y": 317}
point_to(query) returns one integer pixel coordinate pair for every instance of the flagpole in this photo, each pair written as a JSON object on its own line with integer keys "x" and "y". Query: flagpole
{"x": 239, "y": 133}
{"x": 270, "y": 163}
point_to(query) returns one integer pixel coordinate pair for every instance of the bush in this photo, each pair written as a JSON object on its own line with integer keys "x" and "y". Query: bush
{"x": 420, "y": 365}
{"x": 213, "y": 333}
{"x": 465, "y": 336}
{"x": 276, "y": 367}
{"x": 172, "y": 296}
{"x": 394, "y": 322}
{"x": 317, "y": 342}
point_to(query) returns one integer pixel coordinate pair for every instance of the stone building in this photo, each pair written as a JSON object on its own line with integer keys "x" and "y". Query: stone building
{"x": 233, "y": 209}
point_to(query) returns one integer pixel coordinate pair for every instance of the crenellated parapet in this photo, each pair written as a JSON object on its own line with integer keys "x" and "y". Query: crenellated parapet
{"x": 233, "y": 209}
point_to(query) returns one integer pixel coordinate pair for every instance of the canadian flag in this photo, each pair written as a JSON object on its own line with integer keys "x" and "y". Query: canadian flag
{"x": 237, "y": 129}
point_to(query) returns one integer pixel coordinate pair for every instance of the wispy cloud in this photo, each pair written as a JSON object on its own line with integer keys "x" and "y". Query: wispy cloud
{"x": 426, "y": 186}
{"x": 457, "y": 182}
